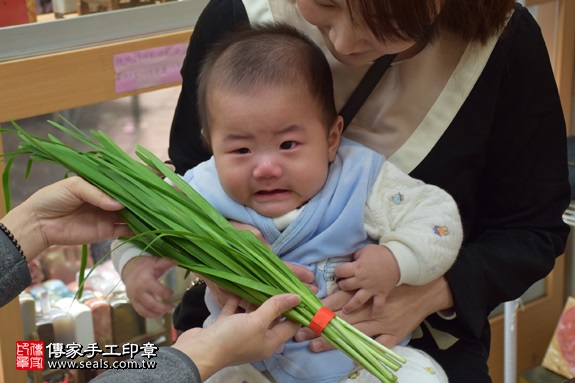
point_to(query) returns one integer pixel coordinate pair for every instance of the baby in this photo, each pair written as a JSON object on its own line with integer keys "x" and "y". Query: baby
{"x": 265, "y": 99}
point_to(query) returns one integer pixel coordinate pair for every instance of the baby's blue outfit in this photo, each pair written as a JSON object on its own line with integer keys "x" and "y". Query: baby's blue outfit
{"x": 330, "y": 225}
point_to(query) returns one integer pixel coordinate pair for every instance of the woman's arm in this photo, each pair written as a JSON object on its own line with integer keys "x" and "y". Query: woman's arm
{"x": 517, "y": 229}
{"x": 233, "y": 339}
{"x": 510, "y": 181}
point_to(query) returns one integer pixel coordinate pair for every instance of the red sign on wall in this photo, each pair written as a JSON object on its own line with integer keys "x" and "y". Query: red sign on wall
{"x": 13, "y": 12}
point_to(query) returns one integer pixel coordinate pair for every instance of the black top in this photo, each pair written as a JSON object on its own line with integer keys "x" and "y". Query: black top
{"x": 503, "y": 159}
{"x": 14, "y": 273}
{"x": 172, "y": 365}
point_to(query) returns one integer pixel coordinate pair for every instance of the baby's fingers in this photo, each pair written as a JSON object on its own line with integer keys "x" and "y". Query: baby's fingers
{"x": 150, "y": 307}
{"x": 358, "y": 300}
{"x": 149, "y": 300}
{"x": 345, "y": 270}
{"x": 349, "y": 284}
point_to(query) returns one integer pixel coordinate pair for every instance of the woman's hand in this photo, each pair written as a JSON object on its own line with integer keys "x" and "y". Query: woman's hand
{"x": 222, "y": 295}
{"x": 68, "y": 212}
{"x": 405, "y": 308}
{"x": 239, "y": 338}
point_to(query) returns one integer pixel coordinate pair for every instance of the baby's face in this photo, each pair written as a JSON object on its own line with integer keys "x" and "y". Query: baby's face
{"x": 271, "y": 147}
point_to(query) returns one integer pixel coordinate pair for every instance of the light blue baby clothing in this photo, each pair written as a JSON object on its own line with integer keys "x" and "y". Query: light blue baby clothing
{"x": 330, "y": 224}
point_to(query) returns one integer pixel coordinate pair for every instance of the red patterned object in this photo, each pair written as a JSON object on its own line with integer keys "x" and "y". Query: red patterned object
{"x": 560, "y": 356}
{"x": 566, "y": 337}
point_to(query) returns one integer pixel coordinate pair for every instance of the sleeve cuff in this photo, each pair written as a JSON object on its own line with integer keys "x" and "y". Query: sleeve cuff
{"x": 448, "y": 314}
{"x": 123, "y": 252}
{"x": 15, "y": 280}
{"x": 409, "y": 268}
{"x": 185, "y": 363}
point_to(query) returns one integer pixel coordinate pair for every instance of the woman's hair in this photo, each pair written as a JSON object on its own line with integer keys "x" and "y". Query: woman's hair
{"x": 418, "y": 20}
{"x": 265, "y": 55}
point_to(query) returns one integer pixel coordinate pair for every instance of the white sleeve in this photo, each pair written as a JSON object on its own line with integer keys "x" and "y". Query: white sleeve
{"x": 419, "y": 223}
{"x": 122, "y": 252}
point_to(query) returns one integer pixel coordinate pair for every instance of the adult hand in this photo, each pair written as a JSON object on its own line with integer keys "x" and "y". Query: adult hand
{"x": 239, "y": 338}
{"x": 405, "y": 308}
{"x": 304, "y": 275}
{"x": 147, "y": 295}
{"x": 222, "y": 295}
{"x": 68, "y": 212}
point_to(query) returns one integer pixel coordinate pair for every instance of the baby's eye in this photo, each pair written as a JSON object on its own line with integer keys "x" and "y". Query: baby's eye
{"x": 242, "y": 151}
{"x": 287, "y": 145}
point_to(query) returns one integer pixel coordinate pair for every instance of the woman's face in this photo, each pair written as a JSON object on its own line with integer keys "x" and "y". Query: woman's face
{"x": 352, "y": 44}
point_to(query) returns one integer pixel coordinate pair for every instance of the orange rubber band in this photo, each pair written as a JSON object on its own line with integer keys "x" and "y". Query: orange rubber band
{"x": 320, "y": 320}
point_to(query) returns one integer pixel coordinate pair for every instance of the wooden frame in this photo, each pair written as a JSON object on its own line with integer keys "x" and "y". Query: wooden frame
{"x": 563, "y": 53}
{"x": 66, "y": 80}
{"x": 565, "y": 57}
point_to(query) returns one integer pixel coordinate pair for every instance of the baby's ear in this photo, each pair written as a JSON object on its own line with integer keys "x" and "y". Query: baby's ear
{"x": 334, "y": 137}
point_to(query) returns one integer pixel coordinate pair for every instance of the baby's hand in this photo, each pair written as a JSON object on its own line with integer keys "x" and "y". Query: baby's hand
{"x": 373, "y": 274}
{"x": 141, "y": 277}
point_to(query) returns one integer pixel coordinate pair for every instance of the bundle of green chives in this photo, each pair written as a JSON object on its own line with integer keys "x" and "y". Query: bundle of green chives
{"x": 182, "y": 226}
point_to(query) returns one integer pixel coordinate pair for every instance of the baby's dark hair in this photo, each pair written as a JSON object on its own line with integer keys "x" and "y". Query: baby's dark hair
{"x": 270, "y": 54}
